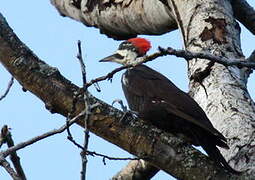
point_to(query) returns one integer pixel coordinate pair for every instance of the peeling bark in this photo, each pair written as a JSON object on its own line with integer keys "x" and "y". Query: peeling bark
{"x": 216, "y": 33}
{"x": 210, "y": 26}
{"x": 121, "y": 19}
{"x": 136, "y": 170}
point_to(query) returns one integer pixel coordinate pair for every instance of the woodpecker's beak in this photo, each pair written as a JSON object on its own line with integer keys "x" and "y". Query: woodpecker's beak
{"x": 112, "y": 58}
{"x": 106, "y": 59}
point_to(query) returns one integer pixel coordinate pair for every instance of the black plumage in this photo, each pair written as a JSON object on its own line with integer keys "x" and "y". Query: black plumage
{"x": 158, "y": 101}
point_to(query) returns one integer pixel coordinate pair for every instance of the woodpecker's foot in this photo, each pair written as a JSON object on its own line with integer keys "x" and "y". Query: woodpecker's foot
{"x": 125, "y": 110}
{"x": 123, "y": 107}
{"x": 127, "y": 113}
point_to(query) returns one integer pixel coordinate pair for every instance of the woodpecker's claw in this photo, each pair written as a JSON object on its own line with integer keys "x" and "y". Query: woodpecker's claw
{"x": 123, "y": 107}
{"x": 125, "y": 110}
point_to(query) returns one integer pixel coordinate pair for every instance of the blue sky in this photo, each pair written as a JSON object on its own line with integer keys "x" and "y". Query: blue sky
{"x": 54, "y": 38}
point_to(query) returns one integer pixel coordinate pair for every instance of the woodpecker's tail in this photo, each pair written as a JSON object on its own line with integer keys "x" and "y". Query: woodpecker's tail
{"x": 214, "y": 153}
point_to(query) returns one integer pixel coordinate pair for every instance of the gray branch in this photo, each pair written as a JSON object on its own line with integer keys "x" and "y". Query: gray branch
{"x": 22, "y": 145}
{"x": 138, "y": 170}
{"x": 6, "y": 137}
{"x": 6, "y": 165}
{"x": 8, "y": 89}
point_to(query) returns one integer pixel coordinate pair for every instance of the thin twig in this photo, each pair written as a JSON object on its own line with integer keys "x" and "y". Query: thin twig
{"x": 249, "y": 62}
{"x": 11, "y": 150}
{"x": 88, "y": 112}
{"x": 8, "y": 89}
{"x": 6, "y": 135}
{"x": 110, "y": 158}
{"x": 21, "y": 145}
{"x": 107, "y": 76}
{"x": 219, "y": 59}
{"x": 98, "y": 154}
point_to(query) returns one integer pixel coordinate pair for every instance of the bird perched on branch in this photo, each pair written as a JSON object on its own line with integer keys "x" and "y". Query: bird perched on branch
{"x": 157, "y": 100}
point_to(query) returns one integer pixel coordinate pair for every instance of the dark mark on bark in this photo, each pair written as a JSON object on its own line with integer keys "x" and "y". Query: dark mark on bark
{"x": 102, "y": 5}
{"x": 199, "y": 75}
{"x": 218, "y": 31}
{"x": 76, "y": 3}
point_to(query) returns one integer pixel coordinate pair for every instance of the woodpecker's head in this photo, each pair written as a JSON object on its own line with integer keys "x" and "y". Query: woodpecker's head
{"x": 129, "y": 50}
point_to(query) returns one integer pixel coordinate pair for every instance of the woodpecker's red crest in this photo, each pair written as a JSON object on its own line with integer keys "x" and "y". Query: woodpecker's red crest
{"x": 129, "y": 51}
{"x": 142, "y": 45}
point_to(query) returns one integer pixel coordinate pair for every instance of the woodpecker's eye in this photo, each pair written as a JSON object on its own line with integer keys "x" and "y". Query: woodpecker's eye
{"x": 128, "y": 46}
{"x": 118, "y": 56}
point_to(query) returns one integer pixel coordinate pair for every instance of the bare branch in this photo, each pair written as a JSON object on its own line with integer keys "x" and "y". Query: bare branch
{"x": 163, "y": 22}
{"x": 70, "y": 137}
{"x": 244, "y": 13}
{"x": 6, "y": 165}
{"x": 138, "y": 170}
{"x": 219, "y": 59}
{"x": 7, "y": 137}
{"x": 251, "y": 58}
{"x": 184, "y": 54}
{"x": 21, "y": 145}
{"x": 110, "y": 157}
{"x": 108, "y": 76}
{"x": 8, "y": 89}
{"x": 88, "y": 112}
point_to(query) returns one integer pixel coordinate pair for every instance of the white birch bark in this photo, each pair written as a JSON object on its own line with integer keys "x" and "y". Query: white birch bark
{"x": 120, "y": 19}
{"x": 209, "y": 25}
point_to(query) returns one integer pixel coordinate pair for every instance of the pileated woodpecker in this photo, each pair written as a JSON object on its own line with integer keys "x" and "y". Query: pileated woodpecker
{"x": 158, "y": 101}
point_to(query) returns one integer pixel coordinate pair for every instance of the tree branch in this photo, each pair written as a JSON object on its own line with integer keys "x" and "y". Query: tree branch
{"x": 219, "y": 59}
{"x": 8, "y": 89}
{"x": 146, "y": 15}
{"x": 6, "y": 165}
{"x": 152, "y": 22}
{"x": 244, "y": 13}
{"x": 7, "y": 138}
{"x": 22, "y": 145}
{"x": 138, "y": 170}
{"x": 88, "y": 112}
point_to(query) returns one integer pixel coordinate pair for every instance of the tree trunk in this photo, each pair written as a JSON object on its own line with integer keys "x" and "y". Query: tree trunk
{"x": 221, "y": 91}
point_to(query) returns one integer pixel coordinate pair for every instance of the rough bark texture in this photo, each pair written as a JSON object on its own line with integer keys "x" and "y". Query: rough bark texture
{"x": 210, "y": 26}
{"x": 120, "y": 19}
{"x": 176, "y": 157}
{"x": 136, "y": 170}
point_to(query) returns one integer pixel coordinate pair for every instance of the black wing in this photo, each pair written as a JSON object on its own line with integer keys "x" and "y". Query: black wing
{"x": 147, "y": 90}
{"x": 160, "y": 102}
